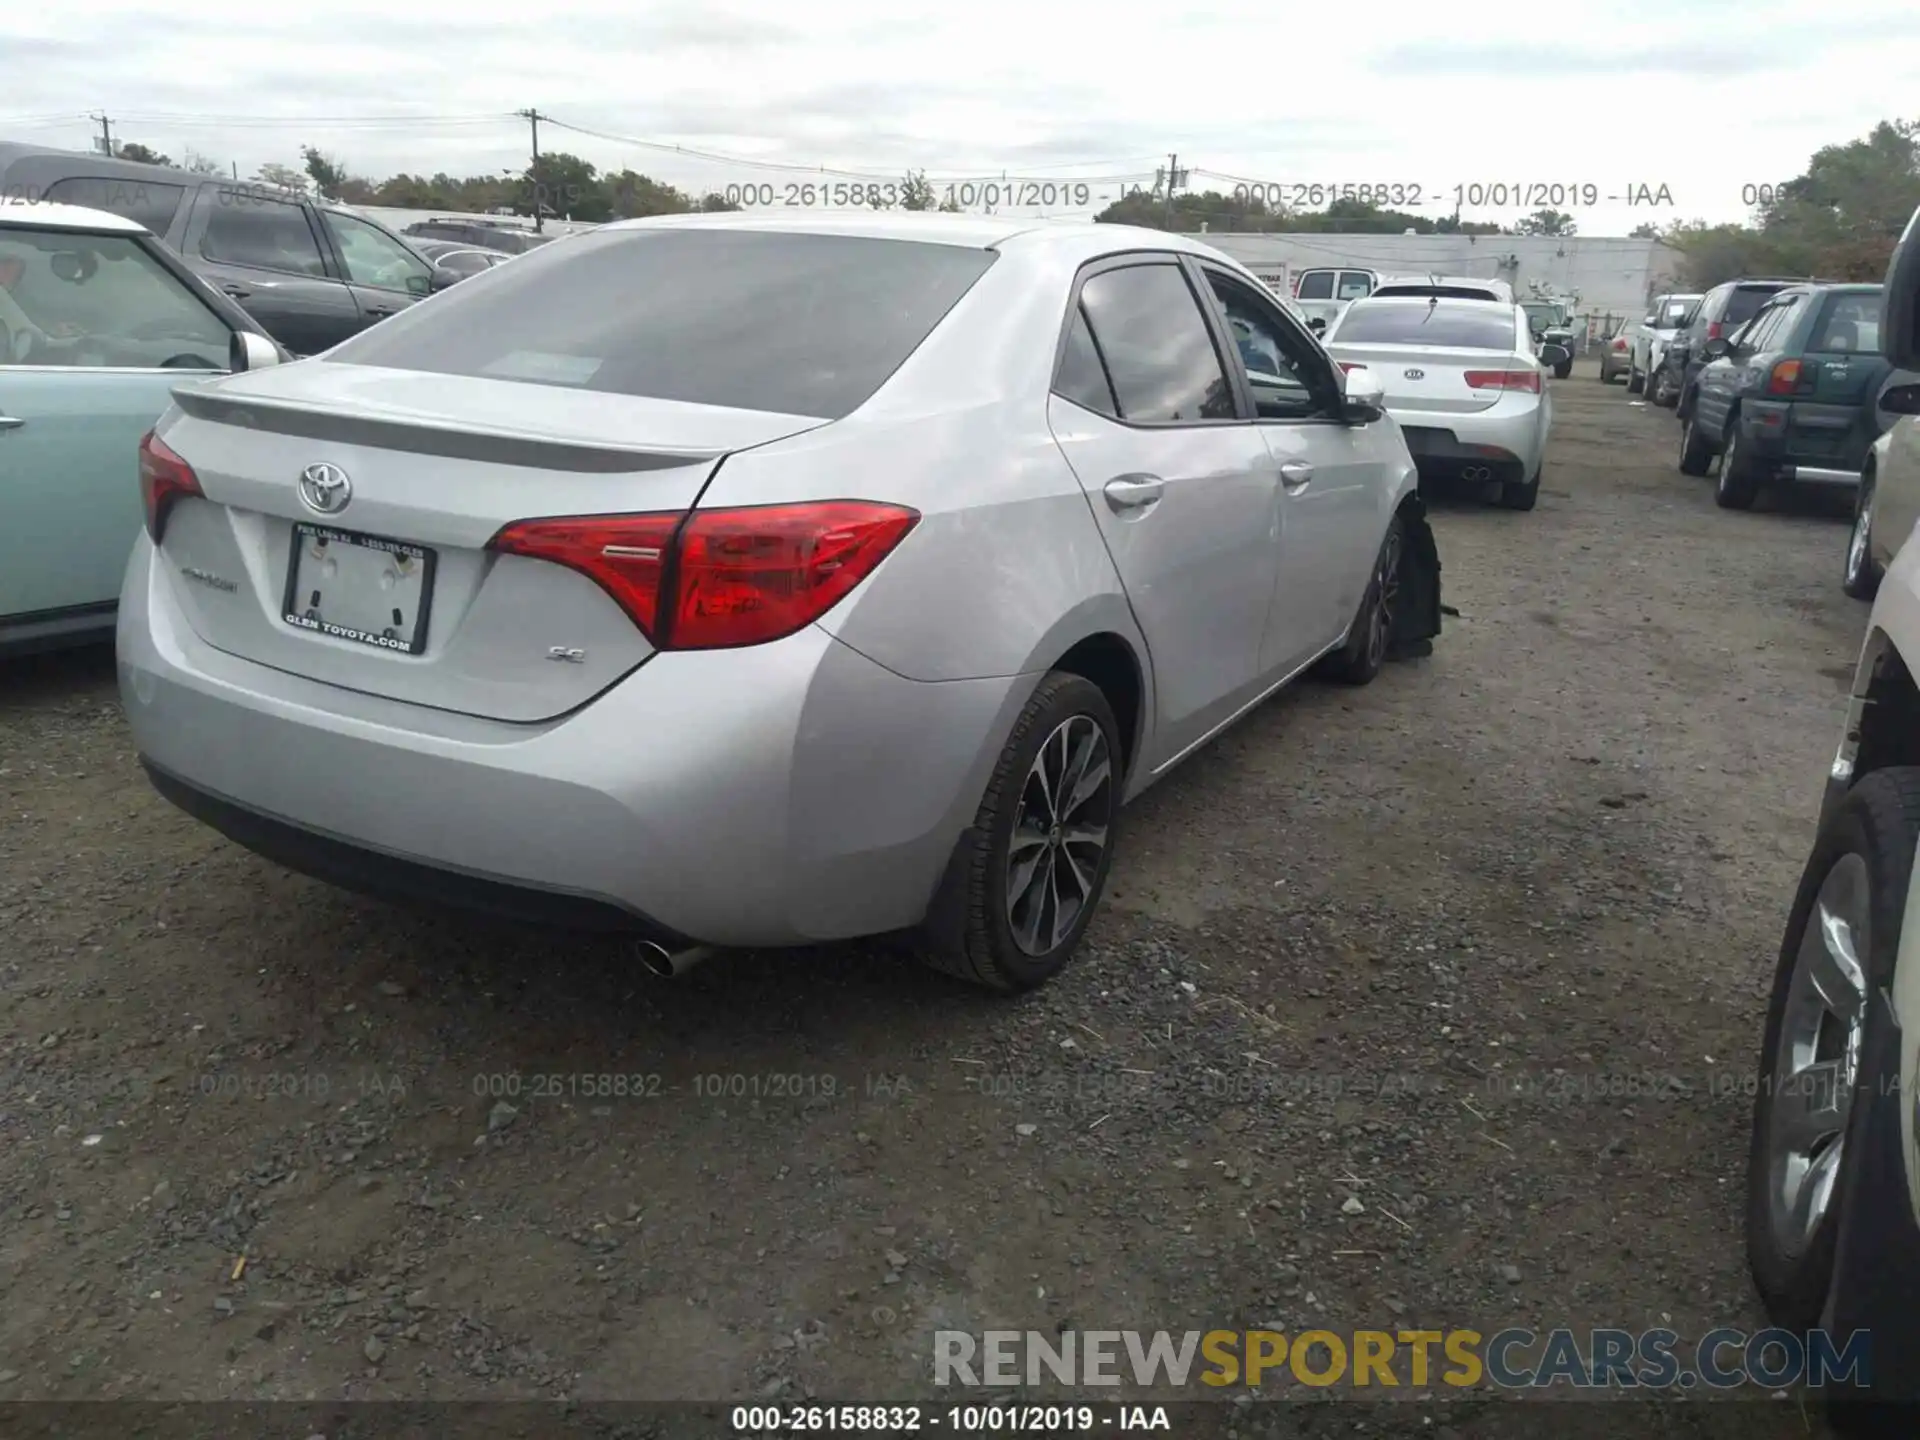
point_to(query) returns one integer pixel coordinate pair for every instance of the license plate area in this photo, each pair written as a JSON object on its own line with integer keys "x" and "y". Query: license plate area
{"x": 361, "y": 588}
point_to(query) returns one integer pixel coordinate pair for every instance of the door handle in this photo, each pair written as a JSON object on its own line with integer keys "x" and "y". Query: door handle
{"x": 1296, "y": 475}
{"x": 10, "y": 422}
{"x": 383, "y": 310}
{"x": 238, "y": 292}
{"x": 1133, "y": 492}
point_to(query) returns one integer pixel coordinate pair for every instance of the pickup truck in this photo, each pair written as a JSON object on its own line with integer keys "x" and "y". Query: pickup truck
{"x": 1667, "y": 317}
{"x": 1552, "y": 324}
{"x": 1325, "y": 292}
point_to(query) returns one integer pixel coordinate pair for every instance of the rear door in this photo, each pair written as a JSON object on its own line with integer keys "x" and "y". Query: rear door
{"x": 1832, "y": 422}
{"x": 73, "y": 406}
{"x": 262, "y": 250}
{"x": 1183, "y": 488}
{"x": 1332, "y": 475}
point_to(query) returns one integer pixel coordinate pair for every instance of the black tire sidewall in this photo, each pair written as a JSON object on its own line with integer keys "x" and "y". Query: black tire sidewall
{"x": 1350, "y": 664}
{"x": 1058, "y": 698}
{"x": 1878, "y": 821}
{"x": 1861, "y": 586}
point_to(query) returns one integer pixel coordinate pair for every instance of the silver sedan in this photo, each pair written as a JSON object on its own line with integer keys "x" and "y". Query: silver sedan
{"x": 1465, "y": 382}
{"x": 845, "y": 577}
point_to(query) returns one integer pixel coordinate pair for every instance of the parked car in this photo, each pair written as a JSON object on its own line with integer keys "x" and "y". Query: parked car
{"x": 1721, "y": 312}
{"x": 98, "y": 323}
{"x": 1789, "y": 397}
{"x": 515, "y": 239}
{"x": 1833, "y": 1177}
{"x": 990, "y": 518}
{"x": 1552, "y": 324}
{"x": 311, "y": 272}
{"x": 1463, "y": 379}
{"x": 1887, "y": 504}
{"x": 1323, "y": 292}
{"x": 1648, "y": 342}
{"x": 459, "y": 259}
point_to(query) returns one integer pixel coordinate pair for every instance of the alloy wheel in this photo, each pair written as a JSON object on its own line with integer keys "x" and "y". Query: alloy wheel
{"x": 1060, "y": 831}
{"x": 1386, "y": 588}
{"x": 1822, "y": 1026}
{"x": 1862, "y": 534}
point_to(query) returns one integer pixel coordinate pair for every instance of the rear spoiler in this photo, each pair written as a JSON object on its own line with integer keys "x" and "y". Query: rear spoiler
{"x": 500, "y": 447}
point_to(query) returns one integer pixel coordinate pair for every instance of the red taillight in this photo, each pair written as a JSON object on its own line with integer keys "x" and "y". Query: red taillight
{"x": 1784, "y": 378}
{"x": 1620, "y": 342}
{"x": 1504, "y": 380}
{"x": 1346, "y": 365}
{"x": 164, "y": 478}
{"x": 721, "y": 578}
{"x": 1713, "y": 330}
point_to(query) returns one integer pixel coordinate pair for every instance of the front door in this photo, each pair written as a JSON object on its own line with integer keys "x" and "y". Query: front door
{"x": 94, "y": 335}
{"x": 383, "y": 274}
{"x": 1182, "y": 486}
{"x": 262, "y": 250}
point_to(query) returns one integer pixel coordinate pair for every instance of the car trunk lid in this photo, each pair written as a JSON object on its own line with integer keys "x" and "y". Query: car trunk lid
{"x": 1432, "y": 379}
{"x": 432, "y": 471}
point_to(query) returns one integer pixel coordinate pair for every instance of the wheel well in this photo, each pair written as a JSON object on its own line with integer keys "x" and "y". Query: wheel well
{"x": 1108, "y": 661}
{"x": 1890, "y": 719}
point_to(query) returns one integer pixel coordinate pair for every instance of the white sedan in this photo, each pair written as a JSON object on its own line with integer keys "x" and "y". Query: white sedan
{"x": 1465, "y": 382}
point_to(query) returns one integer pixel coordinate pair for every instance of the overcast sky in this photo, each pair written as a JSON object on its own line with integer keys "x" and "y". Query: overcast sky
{"x": 1705, "y": 99}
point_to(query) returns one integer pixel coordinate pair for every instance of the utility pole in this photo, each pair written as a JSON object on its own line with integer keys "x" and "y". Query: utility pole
{"x": 106, "y": 135}
{"x": 1173, "y": 179}
{"x": 533, "y": 120}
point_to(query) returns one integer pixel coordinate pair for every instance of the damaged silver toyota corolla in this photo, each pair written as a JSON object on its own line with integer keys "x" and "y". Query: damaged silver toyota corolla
{"x": 846, "y": 576}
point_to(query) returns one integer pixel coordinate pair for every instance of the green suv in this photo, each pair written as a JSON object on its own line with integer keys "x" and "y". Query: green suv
{"x": 1790, "y": 395}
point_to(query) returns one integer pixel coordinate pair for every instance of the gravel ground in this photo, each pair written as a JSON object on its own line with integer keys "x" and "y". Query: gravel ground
{"x": 1419, "y": 1004}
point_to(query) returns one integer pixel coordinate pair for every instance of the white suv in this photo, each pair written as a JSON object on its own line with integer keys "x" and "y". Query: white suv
{"x": 1666, "y": 318}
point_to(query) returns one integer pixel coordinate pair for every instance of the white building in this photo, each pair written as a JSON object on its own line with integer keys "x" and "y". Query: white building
{"x": 1612, "y": 276}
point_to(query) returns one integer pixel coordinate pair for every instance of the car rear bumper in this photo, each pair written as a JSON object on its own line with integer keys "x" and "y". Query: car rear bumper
{"x": 1504, "y": 441}
{"x": 784, "y": 794}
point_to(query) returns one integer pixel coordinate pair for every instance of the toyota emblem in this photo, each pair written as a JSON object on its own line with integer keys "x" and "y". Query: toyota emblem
{"x": 325, "y": 489}
{"x": 1410, "y": 374}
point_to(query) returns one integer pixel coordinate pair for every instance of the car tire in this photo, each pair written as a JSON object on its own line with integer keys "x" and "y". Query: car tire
{"x": 1696, "y": 456}
{"x": 1520, "y": 494}
{"x": 1371, "y": 634}
{"x": 1861, "y": 579}
{"x": 1856, "y": 876}
{"x": 1636, "y": 382}
{"x": 1660, "y": 389}
{"x": 1739, "y": 483}
{"x": 1563, "y": 370}
{"x": 992, "y": 924}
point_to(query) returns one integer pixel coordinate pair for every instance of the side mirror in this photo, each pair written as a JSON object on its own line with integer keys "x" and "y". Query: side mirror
{"x": 1365, "y": 397}
{"x": 1901, "y": 400}
{"x": 1552, "y": 355}
{"x": 248, "y": 351}
{"x": 1900, "y": 300}
{"x": 438, "y": 280}
{"x": 1717, "y": 347}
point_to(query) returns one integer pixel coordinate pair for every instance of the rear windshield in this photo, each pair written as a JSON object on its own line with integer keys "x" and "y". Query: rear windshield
{"x": 1745, "y": 302}
{"x": 1851, "y": 325}
{"x": 793, "y": 324}
{"x": 1474, "y": 329}
{"x": 1317, "y": 285}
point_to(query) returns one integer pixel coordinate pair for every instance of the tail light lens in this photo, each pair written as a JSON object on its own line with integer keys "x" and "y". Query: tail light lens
{"x": 1346, "y": 365}
{"x": 164, "y": 478}
{"x": 1504, "y": 380}
{"x": 1620, "y": 343}
{"x": 715, "y": 579}
{"x": 1713, "y": 329}
{"x": 1784, "y": 378}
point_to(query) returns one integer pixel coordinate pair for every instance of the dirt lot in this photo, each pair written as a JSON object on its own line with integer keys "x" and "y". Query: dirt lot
{"x": 1481, "y": 946}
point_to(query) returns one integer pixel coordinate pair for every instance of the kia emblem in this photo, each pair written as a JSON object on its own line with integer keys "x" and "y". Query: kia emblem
{"x": 1410, "y": 374}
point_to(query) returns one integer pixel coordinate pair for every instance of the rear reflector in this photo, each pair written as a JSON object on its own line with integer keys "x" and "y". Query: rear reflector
{"x": 164, "y": 478}
{"x": 1784, "y": 377}
{"x": 714, "y": 579}
{"x": 1504, "y": 380}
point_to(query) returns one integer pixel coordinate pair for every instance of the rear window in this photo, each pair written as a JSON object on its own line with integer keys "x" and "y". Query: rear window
{"x": 1317, "y": 285}
{"x": 1676, "y": 313}
{"x": 793, "y": 324}
{"x": 1851, "y": 325}
{"x": 1365, "y": 324}
{"x": 1445, "y": 292}
{"x": 1745, "y": 302}
{"x": 1354, "y": 284}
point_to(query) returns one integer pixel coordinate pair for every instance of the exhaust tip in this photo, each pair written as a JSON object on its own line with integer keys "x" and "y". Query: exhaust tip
{"x": 668, "y": 963}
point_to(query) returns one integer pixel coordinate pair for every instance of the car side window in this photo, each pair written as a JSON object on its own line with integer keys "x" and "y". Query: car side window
{"x": 1316, "y": 285}
{"x": 1159, "y": 351}
{"x": 373, "y": 257}
{"x": 245, "y": 228}
{"x": 101, "y": 302}
{"x": 1082, "y": 375}
{"x": 1354, "y": 285}
{"x": 1288, "y": 378}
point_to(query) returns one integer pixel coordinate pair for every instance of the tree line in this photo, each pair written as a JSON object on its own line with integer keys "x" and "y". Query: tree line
{"x": 1837, "y": 220}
